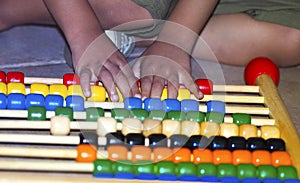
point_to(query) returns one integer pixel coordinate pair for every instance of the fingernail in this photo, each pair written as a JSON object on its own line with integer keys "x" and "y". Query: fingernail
{"x": 138, "y": 95}
{"x": 114, "y": 98}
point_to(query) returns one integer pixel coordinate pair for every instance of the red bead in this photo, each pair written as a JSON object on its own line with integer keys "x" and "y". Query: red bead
{"x": 2, "y": 77}
{"x": 205, "y": 85}
{"x": 259, "y": 66}
{"x": 71, "y": 79}
{"x": 15, "y": 77}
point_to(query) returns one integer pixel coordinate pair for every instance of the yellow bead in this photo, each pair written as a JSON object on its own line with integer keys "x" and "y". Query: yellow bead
{"x": 151, "y": 126}
{"x": 248, "y": 131}
{"x": 58, "y": 89}
{"x": 98, "y": 94}
{"x": 229, "y": 130}
{"x": 39, "y": 88}
{"x": 131, "y": 125}
{"x": 269, "y": 131}
{"x": 190, "y": 128}
{"x": 16, "y": 88}
{"x": 75, "y": 90}
{"x": 183, "y": 94}
{"x": 164, "y": 94}
{"x": 3, "y": 88}
{"x": 209, "y": 129}
{"x": 170, "y": 127}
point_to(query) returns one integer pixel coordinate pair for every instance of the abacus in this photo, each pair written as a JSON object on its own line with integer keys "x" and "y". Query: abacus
{"x": 236, "y": 134}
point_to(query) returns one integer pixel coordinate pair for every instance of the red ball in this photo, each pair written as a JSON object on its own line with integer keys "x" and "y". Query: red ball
{"x": 259, "y": 66}
{"x": 205, "y": 85}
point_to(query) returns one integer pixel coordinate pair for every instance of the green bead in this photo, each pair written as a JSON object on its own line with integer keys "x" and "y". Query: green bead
{"x": 123, "y": 166}
{"x": 142, "y": 167}
{"x": 93, "y": 113}
{"x": 119, "y": 114}
{"x": 103, "y": 166}
{"x": 65, "y": 111}
{"x": 226, "y": 170}
{"x": 36, "y": 113}
{"x": 240, "y": 118}
{"x": 157, "y": 115}
{"x": 214, "y": 117}
{"x": 286, "y": 172}
{"x": 266, "y": 171}
{"x": 185, "y": 168}
{"x": 176, "y": 115}
{"x": 206, "y": 169}
{"x": 196, "y": 116}
{"x": 164, "y": 167}
{"x": 246, "y": 171}
{"x": 140, "y": 114}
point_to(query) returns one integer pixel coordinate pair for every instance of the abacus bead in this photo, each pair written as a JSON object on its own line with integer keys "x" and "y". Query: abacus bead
{"x": 157, "y": 115}
{"x": 65, "y": 111}
{"x": 133, "y": 139}
{"x": 34, "y": 100}
{"x": 197, "y": 141}
{"x": 181, "y": 155}
{"x": 176, "y": 115}
{"x": 98, "y": 94}
{"x": 36, "y": 113}
{"x": 75, "y": 102}
{"x": 190, "y": 128}
{"x": 165, "y": 170}
{"x": 214, "y": 117}
{"x": 103, "y": 168}
{"x": 151, "y": 104}
{"x": 58, "y": 89}
{"x": 144, "y": 170}
{"x": 2, "y": 76}
{"x": 246, "y": 171}
{"x": 16, "y": 88}
{"x": 93, "y": 113}
{"x": 15, "y": 77}
{"x": 222, "y": 156}
{"x": 237, "y": 142}
{"x": 206, "y": 169}
{"x": 131, "y": 125}
{"x": 241, "y": 157}
{"x": 16, "y": 101}
{"x": 183, "y": 94}
{"x": 241, "y": 118}
{"x": 140, "y": 153}
{"x": 281, "y": 158}
{"x": 106, "y": 125}
{"x": 119, "y": 114}
{"x": 215, "y": 106}
{"x": 269, "y": 131}
{"x": 196, "y": 116}
{"x": 202, "y": 156}
{"x": 186, "y": 171}
{"x": 132, "y": 103}
{"x": 248, "y": 131}
{"x": 188, "y": 105}
{"x": 229, "y": 129}
{"x": 123, "y": 169}
{"x": 158, "y": 140}
{"x": 170, "y": 127}
{"x": 226, "y": 170}
{"x": 53, "y": 101}
{"x": 117, "y": 152}
{"x": 218, "y": 142}
{"x": 39, "y": 88}
{"x": 178, "y": 140}
{"x": 71, "y": 79}
{"x": 2, "y": 101}
{"x": 261, "y": 157}
{"x": 151, "y": 126}
{"x": 209, "y": 129}
{"x": 140, "y": 114}
{"x": 75, "y": 90}
{"x": 3, "y": 88}
{"x": 60, "y": 125}
{"x": 115, "y": 138}
{"x": 171, "y": 105}
{"x": 88, "y": 137}
{"x": 275, "y": 144}
{"x": 287, "y": 172}
{"x": 86, "y": 153}
{"x": 162, "y": 154}
{"x": 255, "y": 143}
{"x": 266, "y": 171}
{"x": 205, "y": 85}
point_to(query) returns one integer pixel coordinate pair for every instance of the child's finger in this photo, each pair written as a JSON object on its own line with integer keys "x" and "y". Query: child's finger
{"x": 194, "y": 89}
{"x": 85, "y": 78}
{"x": 146, "y": 83}
{"x": 157, "y": 86}
{"x": 108, "y": 82}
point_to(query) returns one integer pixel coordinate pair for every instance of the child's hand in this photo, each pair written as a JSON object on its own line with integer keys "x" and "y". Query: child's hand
{"x": 102, "y": 61}
{"x": 163, "y": 64}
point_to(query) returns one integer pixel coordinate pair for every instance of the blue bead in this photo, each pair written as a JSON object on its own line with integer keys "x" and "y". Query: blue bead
{"x": 16, "y": 101}
{"x": 171, "y": 105}
{"x": 215, "y": 106}
{"x": 124, "y": 175}
{"x": 291, "y": 181}
{"x": 34, "y": 99}
{"x": 271, "y": 180}
{"x": 151, "y": 104}
{"x": 188, "y": 178}
{"x": 103, "y": 175}
{"x": 75, "y": 102}
{"x": 230, "y": 180}
{"x": 2, "y": 101}
{"x": 167, "y": 177}
{"x": 188, "y": 105}
{"x": 53, "y": 101}
{"x": 250, "y": 180}
{"x": 209, "y": 178}
{"x": 146, "y": 176}
{"x": 133, "y": 103}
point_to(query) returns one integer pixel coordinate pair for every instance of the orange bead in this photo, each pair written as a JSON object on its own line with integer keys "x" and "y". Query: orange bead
{"x": 140, "y": 153}
{"x": 162, "y": 154}
{"x": 181, "y": 155}
{"x": 281, "y": 158}
{"x": 261, "y": 157}
{"x": 202, "y": 156}
{"x": 86, "y": 153}
{"x": 221, "y": 156}
{"x": 117, "y": 152}
{"x": 241, "y": 157}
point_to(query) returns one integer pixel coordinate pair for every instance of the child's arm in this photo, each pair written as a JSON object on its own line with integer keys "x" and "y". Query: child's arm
{"x": 94, "y": 55}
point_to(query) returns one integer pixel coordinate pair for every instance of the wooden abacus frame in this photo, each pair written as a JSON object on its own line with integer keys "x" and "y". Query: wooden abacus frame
{"x": 268, "y": 96}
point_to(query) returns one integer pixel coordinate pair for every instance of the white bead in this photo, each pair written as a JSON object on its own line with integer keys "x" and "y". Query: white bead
{"x": 60, "y": 125}
{"x": 106, "y": 125}
{"x": 131, "y": 125}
